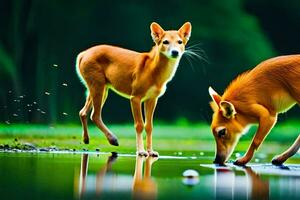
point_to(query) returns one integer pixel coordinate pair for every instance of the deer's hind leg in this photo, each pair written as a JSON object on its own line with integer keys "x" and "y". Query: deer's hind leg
{"x": 279, "y": 159}
{"x": 98, "y": 92}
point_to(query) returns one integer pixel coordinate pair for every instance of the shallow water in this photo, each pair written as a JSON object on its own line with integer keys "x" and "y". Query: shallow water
{"x": 107, "y": 176}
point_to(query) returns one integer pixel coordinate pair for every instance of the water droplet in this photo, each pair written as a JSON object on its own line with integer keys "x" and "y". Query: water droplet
{"x": 43, "y": 112}
{"x": 34, "y": 102}
{"x": 38, "y": 109}
{"x": 64, "y": 113}
{"x": 256, "y": 160}
{"x": 9, "y": 91}
{"x": 29, "y": 110}
{"x": 21, "y": 97}
{"x": 179, "y": 153}
{"x": 55, "y": 65}
{"x": 7, "y": 122}
{"x": 47, "y": 93}
{"x": 15, "y": 115}
{"x": 201, "y": 153}
{"x": 65, "y": 84}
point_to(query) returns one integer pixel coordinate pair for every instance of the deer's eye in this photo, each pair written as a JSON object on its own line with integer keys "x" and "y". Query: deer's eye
{"x": 179, "y": 41}
{"x": 166, "y": 42}
{"x": 222, "y": 132}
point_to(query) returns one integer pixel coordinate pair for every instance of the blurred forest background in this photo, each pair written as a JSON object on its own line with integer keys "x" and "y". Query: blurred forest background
{"x": 40, "y": 39}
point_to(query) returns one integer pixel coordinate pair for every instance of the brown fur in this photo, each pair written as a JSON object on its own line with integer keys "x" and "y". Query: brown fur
{"x": 140, "y": 77}
{"x": 258, "y": 96}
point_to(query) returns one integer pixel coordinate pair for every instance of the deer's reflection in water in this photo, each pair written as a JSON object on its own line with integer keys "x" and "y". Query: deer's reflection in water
{"x": 144, "y": 187}
{"x": 105, "y": 179}
{"x": 94, "y": 183}
{"x": 244, "y": 184}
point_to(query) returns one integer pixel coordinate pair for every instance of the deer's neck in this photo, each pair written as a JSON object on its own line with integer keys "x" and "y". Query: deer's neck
{"x": 163, "y": 68}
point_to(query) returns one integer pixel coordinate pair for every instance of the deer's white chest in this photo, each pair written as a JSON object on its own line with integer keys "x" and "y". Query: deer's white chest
{"x": 155, "y": 92}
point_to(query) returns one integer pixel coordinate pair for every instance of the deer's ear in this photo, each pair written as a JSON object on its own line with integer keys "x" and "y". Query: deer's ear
{"x": 214, "y": 106}
{"x": 215, "y": 96}
{"x": 157, "y": 32}
{"x": 186, "y": 31}
{"x": 227, "y": 109}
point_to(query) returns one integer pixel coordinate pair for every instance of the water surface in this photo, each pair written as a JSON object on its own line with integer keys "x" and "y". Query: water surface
{"x": 108, "y": 176}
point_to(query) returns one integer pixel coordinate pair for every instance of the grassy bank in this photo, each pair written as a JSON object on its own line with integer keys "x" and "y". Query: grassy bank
{"x": 171, "y": 139}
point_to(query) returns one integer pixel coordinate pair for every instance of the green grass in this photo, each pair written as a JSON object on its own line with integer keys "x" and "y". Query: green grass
{"x": 170, "y": 139}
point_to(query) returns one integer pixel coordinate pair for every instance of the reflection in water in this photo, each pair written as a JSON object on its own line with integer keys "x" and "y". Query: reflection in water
{"x": 100, "y": 176}
{"x": 94, "y": 183}
{"x": 230, "y": 184}
{"x": 142, "y": 186}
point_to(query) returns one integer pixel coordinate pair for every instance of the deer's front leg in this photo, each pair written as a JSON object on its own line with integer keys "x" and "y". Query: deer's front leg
{"x": 139, "y": 124}
{"x": 149, "y": 106}
{"x": 266, "y": 123}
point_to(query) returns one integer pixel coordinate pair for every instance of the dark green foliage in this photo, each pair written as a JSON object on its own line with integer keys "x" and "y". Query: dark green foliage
{"x": 39, "y": 41}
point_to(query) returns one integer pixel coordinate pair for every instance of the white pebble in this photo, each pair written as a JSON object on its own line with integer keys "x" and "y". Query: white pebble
{"x": 190, "y": 173}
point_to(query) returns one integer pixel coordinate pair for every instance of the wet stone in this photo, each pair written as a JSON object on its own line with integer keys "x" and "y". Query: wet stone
{"x": 44, "y": 149}
{"x": 29, "y": 146}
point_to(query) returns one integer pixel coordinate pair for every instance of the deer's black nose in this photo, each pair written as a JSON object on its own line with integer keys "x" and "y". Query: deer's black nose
{"x": 174, "y": 53}
{"x": 218, "y": 160}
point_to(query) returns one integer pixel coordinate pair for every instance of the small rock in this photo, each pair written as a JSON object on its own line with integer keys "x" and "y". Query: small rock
{"x": 97, "y": 149}
{"x": 53, "y": 148}
{"x": 190, "y": 173}
{"x": 44, "y": 149}
{"x": 191, "y": 177}
{"x": 84, "y": 149}
{"x": 29, "y": 146}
